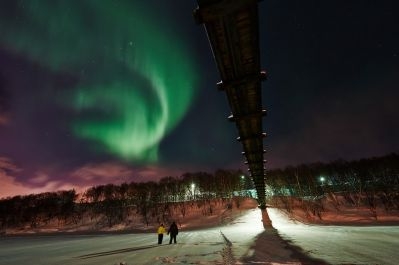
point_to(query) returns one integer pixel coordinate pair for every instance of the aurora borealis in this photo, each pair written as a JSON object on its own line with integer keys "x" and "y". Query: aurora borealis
{"x": 135, "y": 79}
{"x": 96, "y": 92}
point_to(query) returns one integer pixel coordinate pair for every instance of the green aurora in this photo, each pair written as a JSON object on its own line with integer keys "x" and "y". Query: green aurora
{"x": 135, "y": 80}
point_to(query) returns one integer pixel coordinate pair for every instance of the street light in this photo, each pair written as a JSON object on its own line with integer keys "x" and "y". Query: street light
{"x": 322, "y": 179}
{"x": 192, "y": 189}
{"x": 242, "y": 185}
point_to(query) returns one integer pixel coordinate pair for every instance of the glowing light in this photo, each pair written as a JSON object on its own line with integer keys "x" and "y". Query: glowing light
{"x": 322, "y": 180}
{"x": 193, "y": 190}
{"x": 135, "y": 80}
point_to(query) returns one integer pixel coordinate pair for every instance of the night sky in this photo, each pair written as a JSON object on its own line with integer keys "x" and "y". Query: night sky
{"x": 96, "y": 92}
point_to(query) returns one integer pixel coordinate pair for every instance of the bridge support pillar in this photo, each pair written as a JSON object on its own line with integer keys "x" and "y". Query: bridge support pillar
{"x": 267, "y": 223}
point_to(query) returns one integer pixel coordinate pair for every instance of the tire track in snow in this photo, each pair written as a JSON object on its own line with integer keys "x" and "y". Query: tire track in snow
{"x": 227, "y": 252}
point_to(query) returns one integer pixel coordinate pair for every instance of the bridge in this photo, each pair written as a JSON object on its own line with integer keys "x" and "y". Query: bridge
{"x": 233, "y": 31}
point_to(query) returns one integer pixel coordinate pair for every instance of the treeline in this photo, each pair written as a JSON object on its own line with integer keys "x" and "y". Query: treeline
{"x": 366, "y": 182}
{"x": 111, "y": 204}
{"x": 361, "y": 182}
{"x": 365, "y": 175}
{"x": 36, "y": 209}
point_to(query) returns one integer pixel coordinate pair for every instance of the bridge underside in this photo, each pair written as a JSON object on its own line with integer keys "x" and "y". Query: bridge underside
{"x": 233, "y": 32}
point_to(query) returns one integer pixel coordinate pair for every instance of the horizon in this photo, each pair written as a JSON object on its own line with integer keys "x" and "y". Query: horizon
{"x": 81, "y": 191}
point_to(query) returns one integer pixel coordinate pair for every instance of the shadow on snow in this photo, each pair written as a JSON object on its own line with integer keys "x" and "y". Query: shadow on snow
{"x": 114, "y": 252}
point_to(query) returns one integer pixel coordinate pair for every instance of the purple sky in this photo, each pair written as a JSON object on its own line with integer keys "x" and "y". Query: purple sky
{"x": 332, "y": 93}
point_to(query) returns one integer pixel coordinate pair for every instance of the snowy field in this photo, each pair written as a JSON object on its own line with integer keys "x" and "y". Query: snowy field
{"x": 369, "y": 245}
{"x": 244, "y": 241}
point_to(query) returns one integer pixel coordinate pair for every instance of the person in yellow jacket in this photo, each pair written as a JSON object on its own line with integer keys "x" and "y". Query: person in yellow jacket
{"x": 161, "y": 231}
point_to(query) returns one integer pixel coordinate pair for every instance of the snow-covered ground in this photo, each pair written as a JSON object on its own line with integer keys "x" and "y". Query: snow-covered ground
{"x": 341, "y": 244}
{"x": 243, "y": 241}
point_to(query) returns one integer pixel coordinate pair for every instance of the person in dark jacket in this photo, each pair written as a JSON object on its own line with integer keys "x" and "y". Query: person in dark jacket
{"x": 173, "y": 231}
